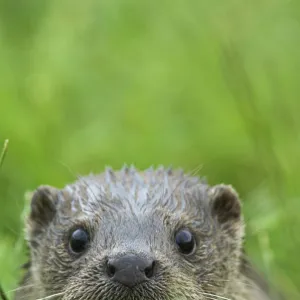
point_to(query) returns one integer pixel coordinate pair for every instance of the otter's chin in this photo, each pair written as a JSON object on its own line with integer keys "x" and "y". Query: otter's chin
{"x": 142, "y": 291}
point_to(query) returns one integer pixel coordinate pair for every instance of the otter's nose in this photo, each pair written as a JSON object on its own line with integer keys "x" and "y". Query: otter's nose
{"x": 130, "y": 269}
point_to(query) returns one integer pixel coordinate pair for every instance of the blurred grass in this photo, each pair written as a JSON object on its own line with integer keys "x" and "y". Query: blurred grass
{"x": 3, "y": 152}
{"x": 92, "y": 83}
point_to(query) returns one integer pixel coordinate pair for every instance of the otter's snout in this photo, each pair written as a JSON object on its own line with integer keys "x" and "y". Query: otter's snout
{"x": 130, "y": 269}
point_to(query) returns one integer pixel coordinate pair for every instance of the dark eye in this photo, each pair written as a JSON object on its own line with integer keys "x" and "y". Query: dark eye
{"x": 185, "y": 241}
{"x": 79, "y": 240}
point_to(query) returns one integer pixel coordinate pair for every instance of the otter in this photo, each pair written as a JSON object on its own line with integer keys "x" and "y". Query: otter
{"x": 158, "y": 234}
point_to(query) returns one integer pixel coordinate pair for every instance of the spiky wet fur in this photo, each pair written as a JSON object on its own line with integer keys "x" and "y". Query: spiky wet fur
{"x": 138, "y": 212}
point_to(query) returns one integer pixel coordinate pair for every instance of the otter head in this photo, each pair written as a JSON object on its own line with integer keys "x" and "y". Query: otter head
{"x": 152, "y": 235}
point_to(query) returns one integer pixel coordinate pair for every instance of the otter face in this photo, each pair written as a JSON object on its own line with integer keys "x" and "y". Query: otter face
{"x": 152, "y": 235}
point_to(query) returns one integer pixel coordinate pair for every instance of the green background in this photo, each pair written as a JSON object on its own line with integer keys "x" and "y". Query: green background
{"x": 85, "y": 84}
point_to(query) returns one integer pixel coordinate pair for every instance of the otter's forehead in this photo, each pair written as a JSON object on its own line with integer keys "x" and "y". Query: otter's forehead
{"x": 136, "y": 191}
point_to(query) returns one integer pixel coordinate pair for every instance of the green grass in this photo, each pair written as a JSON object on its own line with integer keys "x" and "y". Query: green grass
{"x": 86, "y": 84}
{"x": 3, "y": 152}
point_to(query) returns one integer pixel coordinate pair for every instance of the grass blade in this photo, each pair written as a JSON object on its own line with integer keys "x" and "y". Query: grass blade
{"x": 3, "y": 153}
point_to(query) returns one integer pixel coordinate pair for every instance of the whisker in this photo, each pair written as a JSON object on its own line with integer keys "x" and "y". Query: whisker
{"x": 68, "y": 168}
{"x": 78, "y": 177}
{"x": 191, "y": 174}
{"x": 20, "y": 288}
{"x": 217, "y": 296}
{"x": 51, "y": 296}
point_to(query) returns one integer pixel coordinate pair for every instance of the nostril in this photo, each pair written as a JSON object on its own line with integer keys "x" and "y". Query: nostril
{"x": 149, "y": 271}
{"x": 110, "y": 269}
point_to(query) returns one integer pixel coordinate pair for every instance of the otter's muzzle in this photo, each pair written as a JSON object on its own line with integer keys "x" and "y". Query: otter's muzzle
{"x": 130, "y": 269}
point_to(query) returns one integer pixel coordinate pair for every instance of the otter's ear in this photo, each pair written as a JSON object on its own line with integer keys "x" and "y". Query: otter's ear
{"x": 42, "y": 208}
{"x": 225, "y": 203}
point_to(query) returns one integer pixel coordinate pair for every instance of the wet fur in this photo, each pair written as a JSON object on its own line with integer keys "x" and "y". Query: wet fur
{"x": 139, "y": 212}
